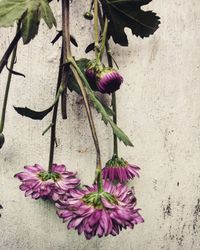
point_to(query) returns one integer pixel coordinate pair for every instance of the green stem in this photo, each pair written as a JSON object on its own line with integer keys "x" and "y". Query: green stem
{"x": 77, "y": 75}
{"x": 96, "y": 30}
{"x": 115, "y": 141}
{"x": 79, "y": 78}
{"x": 110, "y": 64}
{"x": 59, "y": 90}
{"x": 2, "y": 122}
{"x": 104, "y": 38}
{"x": 9, "y": 50}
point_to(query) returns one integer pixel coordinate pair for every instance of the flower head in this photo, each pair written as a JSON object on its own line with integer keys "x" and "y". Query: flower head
{"x": 38, "y": 183}
{"x": 104, "y": 79}
{"x": 102, "y": 214}
{"x": 117, "y": 169}
{"x": 109, "y": 80}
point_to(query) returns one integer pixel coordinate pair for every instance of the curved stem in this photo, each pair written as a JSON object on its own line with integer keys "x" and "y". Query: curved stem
{"x": 76, "y": 72}
{"x": 96, "y": 30}
{"x": 79, "y": 78}
{"x": 54, "y": 117}
{"x": 104, "y": 38}
{"x": 2, "y": 122}
{"x": 110, "y": 64}
{"x": 10, "y": 49}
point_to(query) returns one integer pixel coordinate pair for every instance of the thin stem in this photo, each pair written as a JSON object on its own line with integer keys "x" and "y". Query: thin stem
{"x": 79, "y": 78}
{"x": 66, "y": 51}
{"x": 115, "y": 141}
{"x": 91, "y": 5}
{"x": 104, "y": 38}
{"x": 76, "y": 72}
{"x": 96, "y": 30}
{"x": 110, "y": 64}
{"x": 9, "y": 50}
{"x": 47, "y": 129}
{"x": 54, "y": 117}
{"x": 2, "y": 122}
{"x": 64, "y": 94}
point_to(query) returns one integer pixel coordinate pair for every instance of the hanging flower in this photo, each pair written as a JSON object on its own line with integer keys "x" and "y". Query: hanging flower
{"x": 117, "y": 169}
{"x": 101, "y": 214}
{"x": 38, "y": 183}
{"x": 63, "y": 182}
{"x": 106, "y": 80}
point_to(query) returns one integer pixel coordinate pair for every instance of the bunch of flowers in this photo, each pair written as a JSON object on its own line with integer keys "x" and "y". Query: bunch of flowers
{"x": 109, "y": 205}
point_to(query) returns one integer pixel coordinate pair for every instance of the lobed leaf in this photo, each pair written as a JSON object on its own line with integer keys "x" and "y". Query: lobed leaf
{"x": 128, "y": 13}
{"x": 30, "y": 12}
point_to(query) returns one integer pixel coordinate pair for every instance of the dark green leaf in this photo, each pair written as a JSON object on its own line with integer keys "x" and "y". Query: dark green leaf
{"x": 128, "y": 13}
{"x": 35, "y": 115}
{"x": 30, "y": 23}
{"x": 73, "y": 41}
{"x": 90, "y": 47}
{"x": 47, "y": 14}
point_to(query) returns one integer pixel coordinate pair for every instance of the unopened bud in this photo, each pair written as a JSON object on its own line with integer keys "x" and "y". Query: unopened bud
{"x": 88, "y": 15}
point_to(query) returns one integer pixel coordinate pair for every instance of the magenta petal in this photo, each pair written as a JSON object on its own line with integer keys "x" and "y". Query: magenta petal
{"x": 110, "y": 218}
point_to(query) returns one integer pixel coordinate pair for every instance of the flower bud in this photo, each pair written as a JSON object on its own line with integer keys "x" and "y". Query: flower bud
{"x": 88, "y": 15}
{"x": 119, "y": 170}
{"x": 108, "y": 80}
{"x": 2, "y": 140}
{"x": 103, "y": 79}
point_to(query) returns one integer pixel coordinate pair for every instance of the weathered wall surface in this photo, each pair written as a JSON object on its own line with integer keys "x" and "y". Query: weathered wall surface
{"x": 159, "y": 108}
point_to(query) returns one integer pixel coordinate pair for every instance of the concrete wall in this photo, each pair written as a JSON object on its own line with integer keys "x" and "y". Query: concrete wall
{"x": 159, "y": 108}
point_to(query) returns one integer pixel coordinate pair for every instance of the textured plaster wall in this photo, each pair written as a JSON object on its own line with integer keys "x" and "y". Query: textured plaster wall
{"x": 159, "y": 108}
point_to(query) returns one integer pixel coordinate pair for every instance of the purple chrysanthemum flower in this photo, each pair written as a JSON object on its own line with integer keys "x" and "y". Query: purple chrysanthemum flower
{"x": 66, "y": 181}
{"x": 109, "y": 80}
{"x": 104, "y": 79}
{"x": 101, "y": 214}
{"x": 117, "y": 169}
{"x": 38, "y": 183}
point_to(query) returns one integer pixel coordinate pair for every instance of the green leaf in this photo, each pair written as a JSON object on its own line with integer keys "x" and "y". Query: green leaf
{"x": 30, "y": 12}
{"x": 31, "y": 21}
{"x": 11, "y": 11}
{"x": 35, "y": 115}
{"x": 101, "y": 108}
{"x": 128, "y": 13}
{"x": 106, "y": 118}
{"x": 47, "y": 14}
